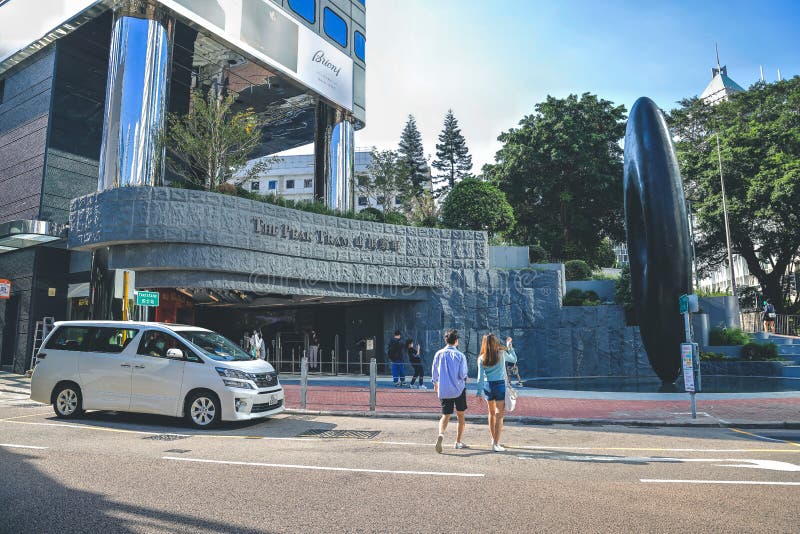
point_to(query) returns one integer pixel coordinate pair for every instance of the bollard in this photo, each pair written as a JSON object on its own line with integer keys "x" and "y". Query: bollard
{"x": 293, "y": 371}
{"x": 361, "y": 362}
{"x": 303, "y": 382}
{"x": 347, "y": 362}
{"x": 373, "y": 383}
{"x": 333, "y": 361}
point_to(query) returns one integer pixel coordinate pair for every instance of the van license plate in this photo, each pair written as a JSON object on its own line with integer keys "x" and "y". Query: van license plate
{"x": 273, "y": 399}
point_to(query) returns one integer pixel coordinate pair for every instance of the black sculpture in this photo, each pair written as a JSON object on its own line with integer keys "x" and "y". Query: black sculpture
{"x": 658, "y": 236}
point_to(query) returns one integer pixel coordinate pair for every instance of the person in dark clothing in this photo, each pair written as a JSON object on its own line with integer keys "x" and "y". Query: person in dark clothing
{"x": 415, "y": 357}
{"x": 769, "y": 316}
{"x": 395, "y": 353}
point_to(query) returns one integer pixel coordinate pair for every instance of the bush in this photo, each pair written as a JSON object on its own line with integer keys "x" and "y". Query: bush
{"x": 394, "y": 217}
{"x": 728, "y": 336}
{"x": 577, "y": 270}
{"x": 576, "y": 297}
{"x": 370, "y": 214}
{"x": 712, "y": 356}
{"x": 759, "y": 352}
{"x": 537, "y": 254}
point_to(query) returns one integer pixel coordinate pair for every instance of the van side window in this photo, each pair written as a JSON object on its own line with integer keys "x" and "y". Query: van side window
{"x": 71, "y": 338}
{"x": 112, "y": 340}
{"x": 156, "y": 343}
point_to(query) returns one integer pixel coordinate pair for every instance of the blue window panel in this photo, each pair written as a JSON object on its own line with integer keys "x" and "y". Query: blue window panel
{"x": 273, "y": 185}
{"x": 305, "y": 8}
{"x": 363, "y": 2}
{"x": 360, "y": 45}
{"x": 335, "y": 27}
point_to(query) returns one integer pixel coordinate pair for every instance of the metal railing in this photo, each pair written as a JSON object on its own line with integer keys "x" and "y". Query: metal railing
{"x": 373, "y": 384}
{"x": 787, "y": 325}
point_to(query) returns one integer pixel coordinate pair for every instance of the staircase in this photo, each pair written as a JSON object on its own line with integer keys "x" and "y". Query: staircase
{"x": 788, "y": 349}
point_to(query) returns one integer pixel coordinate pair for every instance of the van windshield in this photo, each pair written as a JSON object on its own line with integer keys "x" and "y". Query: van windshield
{"x": 216, "y": 346}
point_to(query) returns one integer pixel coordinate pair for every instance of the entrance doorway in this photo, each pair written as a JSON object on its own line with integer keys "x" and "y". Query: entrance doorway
{"x": 11, "y": 319}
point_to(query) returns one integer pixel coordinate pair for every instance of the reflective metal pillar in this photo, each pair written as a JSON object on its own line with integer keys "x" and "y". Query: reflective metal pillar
{"x": 136, "y": 96}
{"x": 334, "y": 152}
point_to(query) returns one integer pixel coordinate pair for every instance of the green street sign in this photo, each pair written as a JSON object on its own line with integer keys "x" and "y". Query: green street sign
{"x": 147, "y": 298}
{"x": 683, "y": 302}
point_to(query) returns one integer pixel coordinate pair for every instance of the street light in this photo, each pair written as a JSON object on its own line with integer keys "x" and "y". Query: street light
{"x": 727, "y": 226}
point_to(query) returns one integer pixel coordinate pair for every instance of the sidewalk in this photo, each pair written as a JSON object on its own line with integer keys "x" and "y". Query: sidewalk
{"x": 347, "y": 396}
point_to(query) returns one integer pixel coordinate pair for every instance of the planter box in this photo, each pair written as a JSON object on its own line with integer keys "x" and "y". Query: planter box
{"x": 730, "y": 351}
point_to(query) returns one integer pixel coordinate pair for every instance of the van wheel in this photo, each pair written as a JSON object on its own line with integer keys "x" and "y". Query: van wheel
{"x": 67, "y": 401}
{"x": 203, "y": 410}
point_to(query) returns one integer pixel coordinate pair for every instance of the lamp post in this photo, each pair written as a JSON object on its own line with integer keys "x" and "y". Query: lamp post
{"x": 727, "y": 226}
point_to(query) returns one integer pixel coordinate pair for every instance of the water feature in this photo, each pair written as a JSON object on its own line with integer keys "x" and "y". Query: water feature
{"x": 628, "y": 384}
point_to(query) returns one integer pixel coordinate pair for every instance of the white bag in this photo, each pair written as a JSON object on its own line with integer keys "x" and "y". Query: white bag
{"x": 511, "y": 397}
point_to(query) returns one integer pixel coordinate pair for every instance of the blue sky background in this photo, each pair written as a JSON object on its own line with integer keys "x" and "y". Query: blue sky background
{"x": 492, "y": 61}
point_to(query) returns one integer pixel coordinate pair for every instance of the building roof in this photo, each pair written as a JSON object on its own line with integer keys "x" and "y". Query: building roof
{"x": 720, "y": 87}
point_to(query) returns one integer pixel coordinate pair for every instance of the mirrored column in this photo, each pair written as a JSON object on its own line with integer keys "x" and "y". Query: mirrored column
{"x": 334, "y": 153}
{"x": 136, "y": 96}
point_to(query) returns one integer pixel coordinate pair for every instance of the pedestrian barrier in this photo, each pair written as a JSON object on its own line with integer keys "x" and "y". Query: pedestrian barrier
{"x": 787, "y": 325}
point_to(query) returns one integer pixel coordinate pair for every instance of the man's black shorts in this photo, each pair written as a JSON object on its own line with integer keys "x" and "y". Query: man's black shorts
{"x": 459, "y": 402}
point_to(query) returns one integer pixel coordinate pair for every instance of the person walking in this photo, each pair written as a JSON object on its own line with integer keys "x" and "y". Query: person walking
{"x": 395, "y": 353}
{"x": 313, "y": 350}
{"x": 449, "y": 375}
{"x": 492, "y": 382}
{"x": 769, "y": 316}
{"x": 415, "y": 358}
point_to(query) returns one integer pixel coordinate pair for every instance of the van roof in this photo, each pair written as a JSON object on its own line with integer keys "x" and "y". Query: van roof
{"x": 169, "y": 326}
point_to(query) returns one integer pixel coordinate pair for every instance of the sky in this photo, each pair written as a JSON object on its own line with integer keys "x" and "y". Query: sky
{"x": 492, "y": 61}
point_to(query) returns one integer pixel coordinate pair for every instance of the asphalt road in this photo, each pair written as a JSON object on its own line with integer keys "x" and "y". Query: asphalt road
{"x": 110, "y": 472}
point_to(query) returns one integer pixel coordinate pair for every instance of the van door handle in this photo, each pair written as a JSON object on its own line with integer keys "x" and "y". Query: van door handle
{"x": 139, "y": 366}
{"x": 124, "y": 365}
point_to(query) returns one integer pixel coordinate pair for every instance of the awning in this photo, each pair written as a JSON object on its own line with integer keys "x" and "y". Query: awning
{"x": 78, "y": 290}
{"x": 15, "y": 235}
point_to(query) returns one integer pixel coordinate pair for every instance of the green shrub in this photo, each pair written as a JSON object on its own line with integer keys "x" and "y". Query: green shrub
{"x": 759, "y": 352}
{"x": 576, "y": 297}
{"x": 712, "y": 356}
{"x": 728, "y": 336}
{"x": 701, "y": 293}
{"x": 577, "y": 270}
{"x": 394, "y": 217}
{"x": 604, "y": 276}
{"x": 537, "y": 254}
{"x": 370, "y": 214}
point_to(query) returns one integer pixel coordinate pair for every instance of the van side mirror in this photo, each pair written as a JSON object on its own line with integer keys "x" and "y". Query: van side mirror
{"x": 175, "y": 354}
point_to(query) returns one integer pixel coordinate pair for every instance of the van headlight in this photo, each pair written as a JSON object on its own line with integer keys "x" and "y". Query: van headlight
{"x": 237, "y": 384}
{"x": 234, "y": 378}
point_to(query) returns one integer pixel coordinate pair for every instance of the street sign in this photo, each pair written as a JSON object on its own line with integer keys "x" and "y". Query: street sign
{"x": 147, "y": 298}
{"x": 683, "y": 303}
{"x": 5, "y": 289}
{"x": 687, "y": 359}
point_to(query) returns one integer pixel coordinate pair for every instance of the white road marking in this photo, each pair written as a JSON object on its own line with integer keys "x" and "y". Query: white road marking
{"x": 742, "y": 482}
{"x": 14, "y": 446}
{"x": 652, "y": 449}
{"x": 771, "y": 465}
{"x": 325, "y": 468}
{"x": 767, "y": 464}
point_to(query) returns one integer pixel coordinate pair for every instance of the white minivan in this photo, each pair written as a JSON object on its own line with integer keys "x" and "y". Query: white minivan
{"x": 167, "y": 369}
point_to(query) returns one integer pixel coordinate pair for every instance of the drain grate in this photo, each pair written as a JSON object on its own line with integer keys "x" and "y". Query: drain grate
{"x": 353, "y": 434}
{"x": 167, "y": 437}
{"x": 179, "y": 451}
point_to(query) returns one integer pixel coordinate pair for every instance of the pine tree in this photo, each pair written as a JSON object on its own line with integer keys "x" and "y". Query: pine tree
{"x": 452, "y": 155}
{"x": 412, "y": 157}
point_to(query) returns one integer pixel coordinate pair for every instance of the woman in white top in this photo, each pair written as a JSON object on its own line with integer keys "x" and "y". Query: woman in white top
{"x": 492, "y": 382}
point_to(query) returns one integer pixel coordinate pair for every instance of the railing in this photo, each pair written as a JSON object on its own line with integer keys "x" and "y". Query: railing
{"x": 787, "y": 325}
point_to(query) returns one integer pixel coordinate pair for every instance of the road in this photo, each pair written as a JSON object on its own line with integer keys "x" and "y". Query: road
{"x": 110, "y": 472}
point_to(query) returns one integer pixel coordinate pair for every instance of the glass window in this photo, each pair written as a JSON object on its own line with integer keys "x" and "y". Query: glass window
{"x": 397, "y": 201}
{"x": 381, "y": 200}
{"x": 70, "y": 338}
{"x": 308, "y": 184}
{"x": 335, "y": 26}
{"x": 360, "y": 45}
{"x": 305, "y": 8}
{"x": 362, "y": 201}
{"x": 112, "y": 340}
{"x": 273, "y": 185}
{"x": 2, "y": 90}
{"x": 289, "y": 184}
{"x": 255, "y": 185}
{"x": 215, "y": 345}
{"x": 156, "y": 344}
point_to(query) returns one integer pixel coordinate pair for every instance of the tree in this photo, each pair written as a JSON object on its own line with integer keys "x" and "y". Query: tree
{"x": 384, "y": 180}
{"x": 212, "y": 143}
{"x": 562, "y": 172}
{"x": 477, "y": 205}
{"x": 452, "y": 156}
{"x": 423, "y": 210}
{"x": 759, "y": 136}
{"x": 412, "y": 157}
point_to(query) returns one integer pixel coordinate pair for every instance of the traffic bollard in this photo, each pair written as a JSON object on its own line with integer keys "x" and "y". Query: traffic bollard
{"x": 303, "y": 382}
{"x": 373, "y": 383}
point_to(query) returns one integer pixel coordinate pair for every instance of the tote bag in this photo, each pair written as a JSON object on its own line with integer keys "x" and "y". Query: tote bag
{"x": 511, "y": 394}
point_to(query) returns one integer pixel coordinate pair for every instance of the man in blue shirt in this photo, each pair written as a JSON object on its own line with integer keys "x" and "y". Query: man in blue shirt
{"x": 449, "y": 377}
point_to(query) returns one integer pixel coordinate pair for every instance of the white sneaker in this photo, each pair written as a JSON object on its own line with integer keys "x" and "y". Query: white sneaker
{"x": 460, "y": 445}
{"x": 414, "y": 386}
{"x": 498, "y": 448}
{"x": 439, "y": 443}
{"x": 423, "y": 387}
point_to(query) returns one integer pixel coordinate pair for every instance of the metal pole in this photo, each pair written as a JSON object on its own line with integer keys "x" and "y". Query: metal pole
{"x": 688, "y": 330}
{"x": 727, "y": 226}
{"x": 347, "y": 362}
{"x": 293, "y": 371}
{"x": 303, "y": 382}
{"x": 333, "y": 362}
{"x": 125, "y": 301}
{"x": 373, "y": 383}
{"x": 361, "y": 362}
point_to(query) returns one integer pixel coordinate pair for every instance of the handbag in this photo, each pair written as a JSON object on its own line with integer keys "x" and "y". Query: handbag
{"x": 511, "y": 395}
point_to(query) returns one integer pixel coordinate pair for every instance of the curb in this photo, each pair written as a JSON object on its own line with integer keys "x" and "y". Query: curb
{"x": 531, "y": 420}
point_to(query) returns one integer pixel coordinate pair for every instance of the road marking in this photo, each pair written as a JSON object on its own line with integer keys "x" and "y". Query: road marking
{"x": 771, "y": 465}
{"x": 650, "y": 449}
{"x": 325, "y": 468}
{"x": 767, "y": 438}
{"x": 742, "y": 482}
{"x": 14, "y": 446}
{"x": 24, "y": 416}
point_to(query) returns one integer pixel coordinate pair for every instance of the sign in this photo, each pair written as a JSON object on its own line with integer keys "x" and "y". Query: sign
{"x": 268, "y": 33}
{"x": 147, "y": 298}
{"x": 687, "y": 359}
{"x": 683, "y": 303}
{"x": 5, "y": 289}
